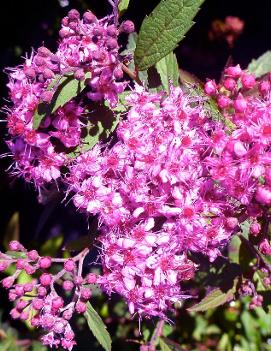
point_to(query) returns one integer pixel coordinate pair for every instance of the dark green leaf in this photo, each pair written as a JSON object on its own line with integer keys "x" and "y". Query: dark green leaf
{"x": 13, "y": 230}
{"x": 101, "y": 123}
{"x": 68, "y": 88}
{"x": 233, "y": 249}
{"x": 98, "y": 328}
{"x": 52, "y": 245}
{"x": 80, "y": 243}
{"x": 261, "y": 65}
{"x": 168, "y": 70}
{"x": 163, "y": 29}
{"x": 215, "y": 298}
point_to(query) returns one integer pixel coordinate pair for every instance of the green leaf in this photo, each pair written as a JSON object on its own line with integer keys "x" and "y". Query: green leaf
{"x": 250, "y": 327}
{"x": 13, "y": 230}
{"x": 261, "y": 65}
{"x": 102, "y": 122}
{"x": 123, "y": 6}
{"x": 233, "y": 249}
{"x": 168, "y": 70}
{"x": 214, "y": 299}
{"x": 68, "y": 88}
{"x": 174, "y": 346}
{"x": 52, "y": 245}
{"x": 130, "y": 49}
{"x": 14, "y": 254}
{"x": 163, "y": 29}
{"x": 80, "y": 243}
{"x": 224, "y": 343}
{"x": 98, "y": 328}
{"x": 163, "y": 345}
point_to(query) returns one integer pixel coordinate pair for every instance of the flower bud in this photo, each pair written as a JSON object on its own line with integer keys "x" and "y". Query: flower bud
{"x": 89, "y": 17}
{"x": 111, "y": 43}
{"x": 240, "y": 104}
{"x": 79, "y": 74}
{"x": 80, "y": 307}
{"x": 46, "y": 279}
{"x": 45, "y": 262}
{"x": 69, "y": 265}
{"x": 33, "y": 255}
{"x": 263, "y": 195}
{"x": 234, "y": 71}
{"x": 265, "y": 247}
{"x": 57, "y": 303}
{"x": 230, "y": 84}
{"x": 91, "y": 278}
{"x": 127, "y": 27}
{"x": 73, "y": 15}
{"x": 44, "y": 52}
{"x": 86, "y": 293}
{"x": 14, "y": 245}
{"x": 30, "y": 73}
{"x": 255, "y": 228}
{"x": 210, "y": 87}
{"x": 223, "y": 101}
{"x": 47, "y": 96}
{"x": 8, "y": 282}
{"x": 248, "y": 81}
{"x": 112, "y": 31}
{"x": 264, "y": 87}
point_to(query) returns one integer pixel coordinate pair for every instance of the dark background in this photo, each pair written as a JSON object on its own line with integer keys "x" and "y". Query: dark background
{"x": 30, "y": 23}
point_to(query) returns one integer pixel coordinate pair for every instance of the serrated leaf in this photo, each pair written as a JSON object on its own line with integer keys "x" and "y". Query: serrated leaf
{"x": 163, "y": 29}
{"x": 168, "y": 70}
{"x": 123, "y": 6}
{"x": 96, "y": 325}
{"x": 261, "y": 65}
{"x": 163, "y": 345}
{"x": 214, "y": 299}
{"x": 68, "y": 88}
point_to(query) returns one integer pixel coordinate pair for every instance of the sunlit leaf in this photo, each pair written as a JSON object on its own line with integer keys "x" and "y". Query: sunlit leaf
{"x": 261, "y": 65}
{"x": 163, "y": 29}
{"x": 68, "y": 88}
{"x": 214, "y": 299}
{"x": 123, "y": 6}
{"x": 98, "y": 328}
{"x": 168, "y": 70}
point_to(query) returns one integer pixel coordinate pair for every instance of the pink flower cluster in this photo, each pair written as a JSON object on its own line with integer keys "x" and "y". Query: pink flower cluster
{"x": 155, "y": 198}
{"x": 38, "y": 301}
{"x": 240, "y": 161}
{"x": 88, "y": 52}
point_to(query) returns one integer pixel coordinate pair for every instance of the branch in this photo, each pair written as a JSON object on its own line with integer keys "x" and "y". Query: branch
{"x": 131, "y": 74}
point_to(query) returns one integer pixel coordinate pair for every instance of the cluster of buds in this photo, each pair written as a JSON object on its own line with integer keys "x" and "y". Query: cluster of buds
{"x": 87, "y": 52}
{"x": 49, "y": 300}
